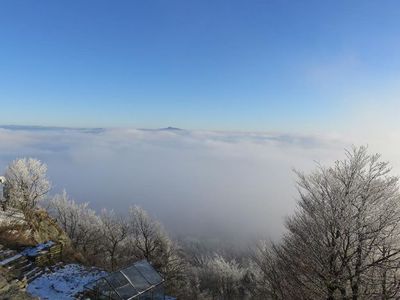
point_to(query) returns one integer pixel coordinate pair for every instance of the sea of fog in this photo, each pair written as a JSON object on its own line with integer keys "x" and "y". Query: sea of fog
{"x": 200, "y": 183}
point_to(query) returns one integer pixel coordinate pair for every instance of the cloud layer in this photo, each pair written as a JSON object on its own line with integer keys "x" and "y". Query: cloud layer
{"x": 208, "y": 183}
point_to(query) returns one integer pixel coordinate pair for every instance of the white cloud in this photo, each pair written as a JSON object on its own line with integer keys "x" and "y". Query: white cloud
{"x": 197, "y": 182}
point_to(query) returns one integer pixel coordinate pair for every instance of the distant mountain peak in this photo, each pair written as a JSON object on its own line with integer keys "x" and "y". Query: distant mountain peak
{"x": 171, "y": 128}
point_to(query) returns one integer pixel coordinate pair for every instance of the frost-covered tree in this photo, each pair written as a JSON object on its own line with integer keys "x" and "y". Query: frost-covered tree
{"x": 343, "y": 241}
{"x": 147, "y": 234}
{"x": 115, "y": 230}
{"x": 81, "y": 223}
{"x": 221, "y": 278}
{"x": 271, "y": 278}
{"x": 149, "y": 240}
{"x": 26, "y": 183}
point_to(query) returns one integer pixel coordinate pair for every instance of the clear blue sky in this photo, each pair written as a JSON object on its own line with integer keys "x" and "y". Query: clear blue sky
{"x": 247, "y": 65}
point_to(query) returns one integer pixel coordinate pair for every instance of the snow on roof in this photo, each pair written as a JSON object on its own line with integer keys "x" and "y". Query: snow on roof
{"x": 31, "y": 251}
{"x": 64, "y": 283}
{"x": 10, "y": 259}
{"x": 34, "y": 251}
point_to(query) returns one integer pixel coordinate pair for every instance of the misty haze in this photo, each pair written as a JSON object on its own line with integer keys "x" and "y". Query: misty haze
{"x": 230, "y": 185}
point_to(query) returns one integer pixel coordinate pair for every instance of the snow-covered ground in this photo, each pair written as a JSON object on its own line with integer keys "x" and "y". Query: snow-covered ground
{"x": 64, "y": 283}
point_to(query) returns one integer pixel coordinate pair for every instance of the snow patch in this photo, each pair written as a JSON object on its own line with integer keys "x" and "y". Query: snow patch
{"x": 34, "y": 251}
{"x": 10, "y": 259}
{"x": 64, "y": 283}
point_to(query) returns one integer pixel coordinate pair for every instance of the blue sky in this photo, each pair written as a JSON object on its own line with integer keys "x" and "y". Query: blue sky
{"x": 242, "y": 65}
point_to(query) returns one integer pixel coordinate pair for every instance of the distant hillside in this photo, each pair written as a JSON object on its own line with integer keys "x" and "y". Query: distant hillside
{"x": 49, "y": 128}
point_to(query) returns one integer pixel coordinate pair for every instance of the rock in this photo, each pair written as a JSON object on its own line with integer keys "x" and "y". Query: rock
{"x": 39, "y": 228}
{"x": 44, "y": 228}
{"x": 12, "y": 290}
